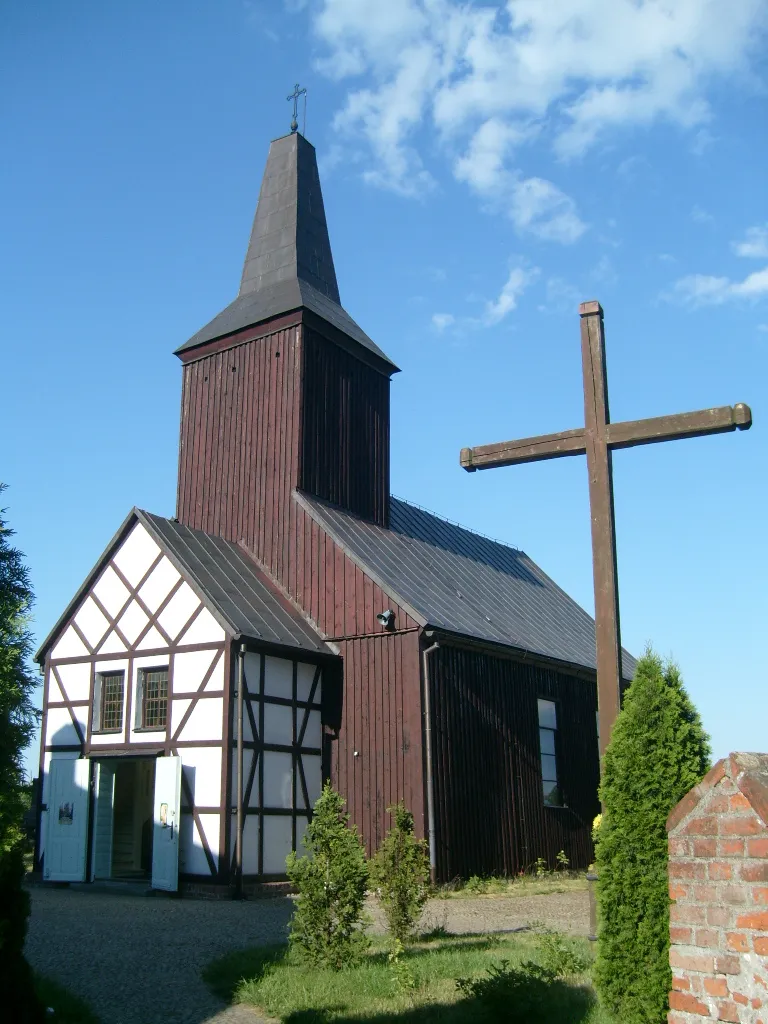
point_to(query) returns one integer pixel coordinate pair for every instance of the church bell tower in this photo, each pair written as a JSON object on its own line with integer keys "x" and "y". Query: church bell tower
{"x": 282, "y": 390}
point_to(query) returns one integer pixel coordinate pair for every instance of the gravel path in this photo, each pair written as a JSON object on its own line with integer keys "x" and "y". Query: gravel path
{"x": 137, "y": 960}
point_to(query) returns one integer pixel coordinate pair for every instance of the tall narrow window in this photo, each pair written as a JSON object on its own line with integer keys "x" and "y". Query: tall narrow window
{"x": 548, "y": 747}
{"x": 108, "y": 702}
{"x": 153, "y": 690}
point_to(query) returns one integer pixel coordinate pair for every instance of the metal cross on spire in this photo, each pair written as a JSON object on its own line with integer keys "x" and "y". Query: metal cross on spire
{"x": 598, "y": 439}
{"x": 295, "y": 97}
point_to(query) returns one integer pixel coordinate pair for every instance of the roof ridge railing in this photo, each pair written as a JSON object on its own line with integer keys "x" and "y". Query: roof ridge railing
{"x": 453, "y": 522}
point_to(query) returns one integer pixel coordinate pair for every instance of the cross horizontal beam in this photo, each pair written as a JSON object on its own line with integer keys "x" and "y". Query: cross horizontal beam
{"x": 719, "y": 420}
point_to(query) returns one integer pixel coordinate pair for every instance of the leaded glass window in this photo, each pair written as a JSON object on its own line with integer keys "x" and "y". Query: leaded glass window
{"x": 548, "y": 750}
{"x": 154, "y": 687}
{"x": 112, "y": 695}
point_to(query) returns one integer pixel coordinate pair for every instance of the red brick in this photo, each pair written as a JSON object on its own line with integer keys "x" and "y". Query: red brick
{"x": 757, "y": 847}
{"x": 737, "y": 941}
{"x": 727, "y": 965}
{"x": 754, "y": 872}
{"x": 720, "y": 916}
{"x": 677, "y": 892}
{"x": 740, "y": 999}
{"x": 684, "y": 913}
{"x": 716, "y": 986}
{"x": 681, "y": 983}
{"x": 682, "y": 935}
{"x": 676, "y": 1018}
{"x": 719, "y": 871}
{"x": 735, "y": 894}
{"x": 704, "y": 893}
{"x": 739, "y": 802}
{"x": 730, "y": 847}
{"x": 742, "y": 827}
{"x": 691, "y": 962}
{"x": 727, "y": 1011}
{"x": 718, "y": 804}
{"x": 706, "y": 826}
{"x": 687, "y": 869}
{"x": 761, "y": 946}
{"x": 689, "y": 1004}
{"x": 756, "y": 1003}
{"x": 760, "y": 981}
{"x": 707, "y": 938}
{"x": 758, "y": 921}
{"x": 704, "y": 847}
{"x": 760, "y": 894}
{"x": 678, "y": 847}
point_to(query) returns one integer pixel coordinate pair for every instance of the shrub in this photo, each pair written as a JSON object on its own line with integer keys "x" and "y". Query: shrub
{"x": 658, "y": 751}
{"x": 400, "y": 875}
{"x": 327, "y": 929}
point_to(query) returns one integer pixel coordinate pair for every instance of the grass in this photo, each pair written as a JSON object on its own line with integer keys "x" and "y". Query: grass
{"x": 522, "y": 885}
{"x": 67, "y": 1008}
{"x": 421, "y": 988}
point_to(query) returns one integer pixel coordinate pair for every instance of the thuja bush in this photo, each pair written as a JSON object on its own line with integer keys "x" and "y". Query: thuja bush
{"x": 327, "y": 929}
{"x": 400, "y": 875}
{"x": 658, "y": 751}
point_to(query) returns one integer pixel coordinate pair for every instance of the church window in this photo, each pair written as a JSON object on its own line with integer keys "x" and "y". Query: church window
{"x": 548, "y": 749}
{"x": 108, "y": 702}
{"x": 152, "y": 704}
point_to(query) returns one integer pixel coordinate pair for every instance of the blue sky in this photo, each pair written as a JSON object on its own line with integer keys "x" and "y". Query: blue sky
{"x": 485, "y": 168}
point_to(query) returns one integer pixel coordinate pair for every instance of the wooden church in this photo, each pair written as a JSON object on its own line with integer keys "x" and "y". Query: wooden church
{"x": 361, "y": 638}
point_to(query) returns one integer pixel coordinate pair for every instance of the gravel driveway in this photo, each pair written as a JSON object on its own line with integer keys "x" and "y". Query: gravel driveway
{"x": 137, "y": 960}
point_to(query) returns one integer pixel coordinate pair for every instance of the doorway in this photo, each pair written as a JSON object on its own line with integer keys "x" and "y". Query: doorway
{"x": 123, "y": 829}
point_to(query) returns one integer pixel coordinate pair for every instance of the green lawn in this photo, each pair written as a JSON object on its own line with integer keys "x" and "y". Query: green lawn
{"x": 422, "y": 989}
{"x": 68, "y": 1009}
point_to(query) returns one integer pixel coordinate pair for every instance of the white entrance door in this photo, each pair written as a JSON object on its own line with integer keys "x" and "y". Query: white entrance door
{"x": 166, "y": 820}
{"x": 67, "y": 833}
{"x": 103, "y": 823}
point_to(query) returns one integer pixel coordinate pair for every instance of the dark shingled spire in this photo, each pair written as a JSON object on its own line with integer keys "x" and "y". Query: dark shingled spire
{"x": 289, "y": 264}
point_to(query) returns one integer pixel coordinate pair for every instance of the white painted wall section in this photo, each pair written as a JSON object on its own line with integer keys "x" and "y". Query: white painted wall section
{"x": 137, "y": 552}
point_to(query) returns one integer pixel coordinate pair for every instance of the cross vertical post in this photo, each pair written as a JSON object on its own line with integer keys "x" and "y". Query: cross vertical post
{"x": 600, "y": 470}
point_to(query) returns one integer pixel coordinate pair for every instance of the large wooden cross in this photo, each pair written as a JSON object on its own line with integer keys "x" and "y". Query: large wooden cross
{"x": 598, "y": 439}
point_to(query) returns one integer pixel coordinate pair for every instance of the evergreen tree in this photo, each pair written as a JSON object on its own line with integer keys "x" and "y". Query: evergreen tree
{"x": 658, "y": 751}
{"x": 400, "y": 874}
{"x": 327, "y": 926}
{"x": 17, "y": 724}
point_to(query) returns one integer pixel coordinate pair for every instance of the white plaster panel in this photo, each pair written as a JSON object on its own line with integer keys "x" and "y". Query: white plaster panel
{"x": 158, "y": 586}
{"x": 111, "y": 591}
{"x": 69, "y": 646}
{"x": 217, "y": 680}
{"x": 205, "y": 629}
{"x": 111, "y": 665}
{"x": 76, "y": 680}
{"x": 247, "y": 731}
{"x": 178, "y": 710}
{"x": 304, "y": 675}
{"x": 202, "y": 769}
{"x": 113, "y": 644}
{"x": 278, "y": 678}
{"x": 55, "y": 695}
{"x": 313, "y": 734}
{"x": 252, "y": 669}
{"x": 278, "y": 724}
{"x": 59, "y": 730}
{"x": 137, "y": 552}
{"x": 81, "y": 714}
{"x": 313, "y": 774}
{"x": 132, "y": 621}
{"x": 189, "y": 670}
{"x": 107, "y": 739}
{"x": 250, "y": 844}
{"x": 192, "y": 859}
{"x": 247, "y": 758}
{"x": 91, "y": 621}
{"x": 210, "y": 823}
{"x": 278, "y": 834}
{"x": 178, "y": 611}
{"x": 205, "y": 722}
{"x": 278, "y": 777}
{"x": 151, "y": 641}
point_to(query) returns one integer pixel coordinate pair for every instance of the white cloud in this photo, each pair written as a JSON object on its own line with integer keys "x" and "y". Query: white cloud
{"x": 483, "y": 79}
{"x": 442, "y": 320}
{"x": 517, "y": 282}
{"x": 704, "y": 290}
{"x": 755, "y": 243}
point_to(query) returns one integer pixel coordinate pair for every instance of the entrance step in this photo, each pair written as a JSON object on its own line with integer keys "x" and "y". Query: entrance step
{"x": 117, "y": 888}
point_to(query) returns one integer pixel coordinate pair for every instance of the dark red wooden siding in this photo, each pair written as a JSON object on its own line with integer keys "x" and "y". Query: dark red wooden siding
{"x": 489, "y": 813}
{"x": 345, "y": 430}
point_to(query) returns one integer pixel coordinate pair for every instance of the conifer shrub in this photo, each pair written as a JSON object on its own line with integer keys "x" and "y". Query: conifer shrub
{"x": 400, "y": 875}
{"x": 658, "y": 751}
{"x": 328, "y": 926}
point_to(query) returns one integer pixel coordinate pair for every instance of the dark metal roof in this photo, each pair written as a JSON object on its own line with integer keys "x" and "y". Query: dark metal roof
{"x": 453, "y": 579}
{"x": 289, "y": 264}
{"x": 232, "y": 584}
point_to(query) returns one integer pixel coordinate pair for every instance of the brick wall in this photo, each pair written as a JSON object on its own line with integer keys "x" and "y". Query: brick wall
{"x": 718, "y": 882}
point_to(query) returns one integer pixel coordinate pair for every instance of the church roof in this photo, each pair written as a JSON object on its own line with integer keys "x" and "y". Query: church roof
{"x": 289, "y": 264}
{"x": 450, "y": 578}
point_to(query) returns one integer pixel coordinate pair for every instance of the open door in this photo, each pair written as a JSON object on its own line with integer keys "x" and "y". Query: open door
{"x": 166, "y": 819}
{"x": 67, "y": 832}
{"x": 104, "y": 807}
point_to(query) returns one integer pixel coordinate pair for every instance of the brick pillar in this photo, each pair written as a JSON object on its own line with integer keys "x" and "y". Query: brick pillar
{"x": 718, "y": 882}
